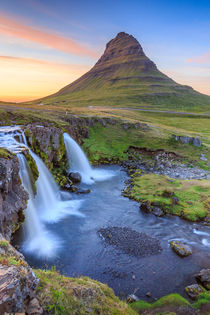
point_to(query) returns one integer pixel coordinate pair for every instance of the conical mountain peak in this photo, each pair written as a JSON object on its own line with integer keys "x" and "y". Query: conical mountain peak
{"x": 125, "y": 76}
{"x": 121, "y": 46}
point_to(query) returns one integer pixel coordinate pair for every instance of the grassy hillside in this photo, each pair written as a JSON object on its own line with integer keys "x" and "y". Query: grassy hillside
{"x": 125, "y": 77}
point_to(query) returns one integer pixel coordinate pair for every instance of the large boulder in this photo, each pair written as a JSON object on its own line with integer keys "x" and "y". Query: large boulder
{"x": 181, "y": 249}
{"x": 18, "y": 283}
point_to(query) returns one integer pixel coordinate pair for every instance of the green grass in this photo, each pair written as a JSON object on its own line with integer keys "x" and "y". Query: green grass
{"x": 77, "y": 295}
{"x": 193, "y": 195}
{"x": 112, "y": 143}
{"x": 171, "y": 300}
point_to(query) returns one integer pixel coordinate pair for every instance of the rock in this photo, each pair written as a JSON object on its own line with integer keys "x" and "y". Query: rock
{"x": 132, "y": 298}
{"x": 34, "y": 307}
{"x": 145, "y": 206}
{"x": 181, "y": 249}
{"x": 148, "y": 294}
{"x": 83, "y": 191}
{"x": 125, "y": 126}
{"x": 203, "y": 277}
{"x": 185, "y": 139}
{"x": 196, "y": 142}
{"x": 75, "y": 177}
{"x": 18, "y": 282}
{"x": 157, "y": 212}
{"x": 13, "y": 197}
{"x": 194, "y": 290}
{"x": 203, "y": 158}
{"x": 175, "y": 200}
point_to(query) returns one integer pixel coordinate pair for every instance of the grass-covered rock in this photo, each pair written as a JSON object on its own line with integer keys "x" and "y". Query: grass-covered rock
{"x": 62, "y": 295}
{"x": 188, "y": 199}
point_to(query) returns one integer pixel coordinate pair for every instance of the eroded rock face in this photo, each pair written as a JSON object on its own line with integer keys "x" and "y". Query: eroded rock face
{"x": 17, "y": 281}
{"x": 13, "y": 197}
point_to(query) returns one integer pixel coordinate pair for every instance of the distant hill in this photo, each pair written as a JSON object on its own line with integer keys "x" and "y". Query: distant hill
{"x": 125, "y": 77}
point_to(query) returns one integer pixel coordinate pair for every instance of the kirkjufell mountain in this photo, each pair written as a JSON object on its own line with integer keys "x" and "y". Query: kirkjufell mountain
{"x": 125, "y": 77}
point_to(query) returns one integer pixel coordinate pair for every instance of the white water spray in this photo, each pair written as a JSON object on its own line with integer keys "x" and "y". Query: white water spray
{"x": 48, "y": 205}
{"x": 79, "y": 163}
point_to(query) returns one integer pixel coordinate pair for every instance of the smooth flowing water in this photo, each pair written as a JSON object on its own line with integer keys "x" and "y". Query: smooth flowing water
{"x": 84, "y": 253}
{"x": 78, "y": 162}
{"x": 78, "y": 248}
{"x": 48, "y": 205}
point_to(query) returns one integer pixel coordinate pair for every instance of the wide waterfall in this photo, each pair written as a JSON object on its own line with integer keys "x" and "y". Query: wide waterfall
{"x": 78, "y": 162}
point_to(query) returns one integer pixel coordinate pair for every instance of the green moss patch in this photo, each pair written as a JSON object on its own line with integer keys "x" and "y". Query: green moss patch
{"x": 188, "y": 199}
{"x": 63, "y": 295}
{"x": 171, "y": 300}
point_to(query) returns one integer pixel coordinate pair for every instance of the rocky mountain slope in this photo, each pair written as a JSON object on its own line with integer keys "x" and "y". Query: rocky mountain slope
{"x": 124, "y": 76}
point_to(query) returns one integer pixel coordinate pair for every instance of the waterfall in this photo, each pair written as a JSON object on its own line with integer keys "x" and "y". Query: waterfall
{"x": 49, "y": 204}
{"x": 37, "y": 238}
{"x": 78, "y": 162}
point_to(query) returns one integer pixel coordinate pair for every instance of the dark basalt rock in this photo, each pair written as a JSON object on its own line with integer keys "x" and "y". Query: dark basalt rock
{"x": 13, "y": 197}
{"x": 75, "y": 177}
{"x": 130, "y": 241}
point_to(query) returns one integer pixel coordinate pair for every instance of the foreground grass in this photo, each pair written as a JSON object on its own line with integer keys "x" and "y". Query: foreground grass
{"x": 188, "y": 199}
{"x": 62, "y": 295}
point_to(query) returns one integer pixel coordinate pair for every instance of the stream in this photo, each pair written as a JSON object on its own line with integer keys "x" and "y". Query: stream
{"x": 83, "y": 252}
{"x": 61, "y": 228}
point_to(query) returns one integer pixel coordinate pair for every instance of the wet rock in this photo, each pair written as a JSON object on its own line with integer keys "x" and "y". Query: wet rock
{"x": 157, "y": 212}
{"x": 130, "y": 241}
{"x": 145, "y": 206}
{"x": 132, "y": 298}
{"x": 75, "y": 177}
{"x": 203, "y": 277}
{"x": 193, "y": 291}
{"x": 83, "y": 191}
{"x": 181, "y": 249}
{"x": 13, "y": 197}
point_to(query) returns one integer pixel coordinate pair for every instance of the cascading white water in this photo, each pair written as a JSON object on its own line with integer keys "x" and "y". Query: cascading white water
{"x": 49, "y": 204}
{"x": 37, "y": 239}
{"x": 79, "y": 163}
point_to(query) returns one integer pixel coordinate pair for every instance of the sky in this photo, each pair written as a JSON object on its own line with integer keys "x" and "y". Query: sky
{"x": 47, "y": 44}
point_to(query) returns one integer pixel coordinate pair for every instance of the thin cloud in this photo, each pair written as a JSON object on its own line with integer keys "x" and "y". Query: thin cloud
{"x": 11, "y": 27}
{"x": 200, "y": 59}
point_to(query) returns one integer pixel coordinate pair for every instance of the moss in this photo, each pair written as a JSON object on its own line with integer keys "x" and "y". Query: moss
{"x": 77, "y": 295}
{"x": 9, "y": 260}
{"x": 5, "y": 154}
{"x": 185, "y": 198}
{"x": 4, "y": 243}
{"x": 171, "y": 300}
{"x": 203, "y": 299}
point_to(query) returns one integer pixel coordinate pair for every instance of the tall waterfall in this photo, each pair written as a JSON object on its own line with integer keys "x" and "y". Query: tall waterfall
{"x": 37, "y": 238}
{"x": 78, "y": 162}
